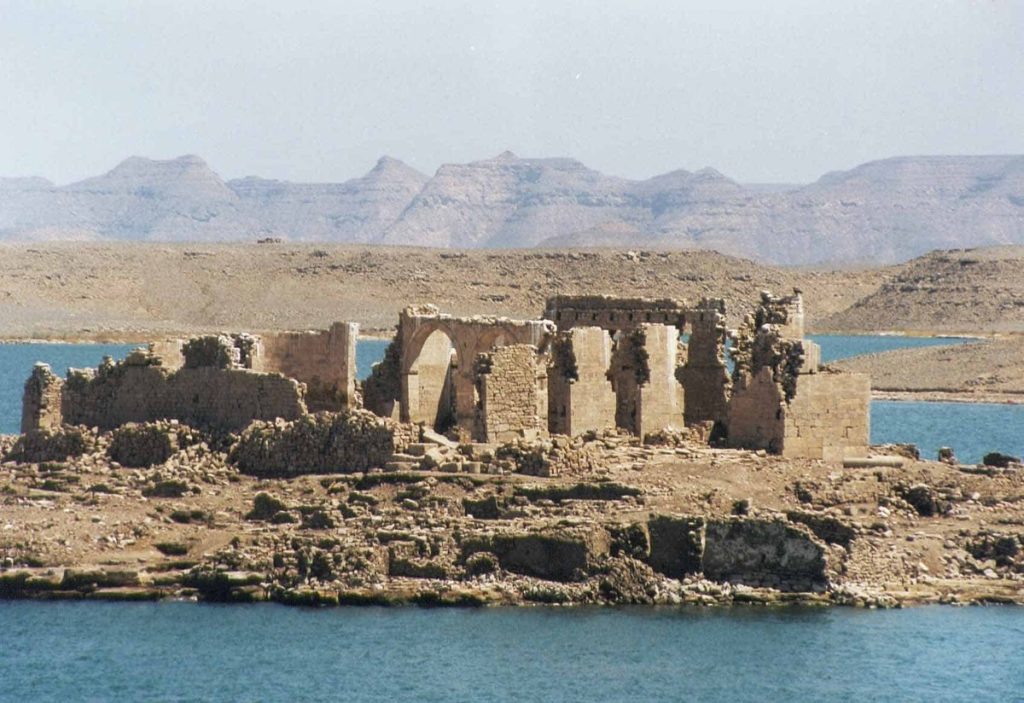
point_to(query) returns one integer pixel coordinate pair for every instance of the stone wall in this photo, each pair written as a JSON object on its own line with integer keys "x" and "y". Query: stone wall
{"x": 829, "y": 417}
{"x": 660, "y": 402}
{"x": 784, "y": 403}
{"x": 41, "y": 402}
{"x": 580, "y": 396}
{"x": 757, "y": 413}
{"x": 613, "y": 313}
{"x": 752, "y": 551}
{"x": 353, "y": 440}
{"x": 421, "y": 328}
{"x": 705, "y": 376}
{"x": 140, "y": 390}
{"x": 324, "y": 360}
{"x": 512, "y": 388}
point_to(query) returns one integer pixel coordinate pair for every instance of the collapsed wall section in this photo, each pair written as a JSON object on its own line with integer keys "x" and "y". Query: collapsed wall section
{"x": 643, "y": 375}
{"x": 783, "y": 401}
{"x": 323, "y": 360}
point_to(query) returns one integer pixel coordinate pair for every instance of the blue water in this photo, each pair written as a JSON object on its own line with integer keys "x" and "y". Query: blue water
{"x": 189, "y": 652}
{"x": 971, "y": 429}
{"x": 368, "y": 353}
{"x": 17, "y": 360}
{"x": 842, "y": 346}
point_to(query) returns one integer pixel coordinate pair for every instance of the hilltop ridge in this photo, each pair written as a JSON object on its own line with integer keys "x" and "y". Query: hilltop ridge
{"x": 882, "y": 211}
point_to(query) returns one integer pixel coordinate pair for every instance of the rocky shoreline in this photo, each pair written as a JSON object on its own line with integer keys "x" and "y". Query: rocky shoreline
{"x": 601, "y": 519}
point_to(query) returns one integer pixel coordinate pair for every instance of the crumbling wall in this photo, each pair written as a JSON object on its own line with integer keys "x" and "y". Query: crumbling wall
{"x": 140, "y": 390}
{"x": 580, "y": 396}
{"x": 41, "y": 401}
{"x": 752, "y": 551}
{"x": 613, "y": 313}
{"x": 782, "y": 400}
{"x": 648, "y": 395}
{"x": 382, "y": 390}
{"x": 469, "y": 337}
{"x": 512, "y": 388}
{"x": 785, "y": 313}
{"x": 353, "y": 440}
{"x": 757, "y": 413}
{"x": 661, "y": 397}
{"x": 705, "y": 375}
{"x": 771, "y": 553}
{"x": 324, "y": 360}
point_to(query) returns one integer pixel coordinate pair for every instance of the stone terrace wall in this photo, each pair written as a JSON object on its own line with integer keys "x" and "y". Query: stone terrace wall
{"x": 580, "y": 396}
{"x": 512, "y": 386}
{"x": 324, "y": 360}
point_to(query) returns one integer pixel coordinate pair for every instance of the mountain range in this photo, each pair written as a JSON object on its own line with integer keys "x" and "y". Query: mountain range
{"x": 882, "y": 211}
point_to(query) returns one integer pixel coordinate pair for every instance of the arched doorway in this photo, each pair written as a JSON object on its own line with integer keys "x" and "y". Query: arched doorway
{"x": 431, "y": 390}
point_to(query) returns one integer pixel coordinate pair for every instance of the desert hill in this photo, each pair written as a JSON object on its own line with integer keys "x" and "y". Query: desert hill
{"x": 130, "y": 291}
{"x": 883, "y": 211}
{"x": 965, "y": 290}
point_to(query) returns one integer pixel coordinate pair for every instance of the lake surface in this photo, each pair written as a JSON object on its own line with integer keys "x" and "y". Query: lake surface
{"x": 970, "y": 429}
{"x": 189, "y": 652}
{"x": 843, "y": 346}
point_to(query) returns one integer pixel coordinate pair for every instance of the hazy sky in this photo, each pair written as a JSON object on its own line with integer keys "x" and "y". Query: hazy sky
{"x": 763, "y": 90}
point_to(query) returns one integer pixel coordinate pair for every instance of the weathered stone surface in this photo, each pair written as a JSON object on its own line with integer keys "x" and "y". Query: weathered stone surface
{"x": 560, "y": 553}
{"x": 345, "y": 442}
{"x": 677, "y": 544}
{"x": 148, "y": 443}
{"x": 764, "y": 552}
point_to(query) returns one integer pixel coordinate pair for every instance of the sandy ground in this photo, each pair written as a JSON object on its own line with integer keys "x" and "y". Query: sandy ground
{"x": 132, "y": 291}
{"x": 987, "y": 371}
{"x": 135, "y": 292}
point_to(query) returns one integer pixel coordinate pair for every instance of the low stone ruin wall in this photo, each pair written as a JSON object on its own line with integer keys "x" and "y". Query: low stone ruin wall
{"x": 354, "y": 440}
{"x": 136, "y": 390}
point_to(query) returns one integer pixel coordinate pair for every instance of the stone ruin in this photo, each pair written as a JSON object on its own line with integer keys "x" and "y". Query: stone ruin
{"x": 590, "y": 364}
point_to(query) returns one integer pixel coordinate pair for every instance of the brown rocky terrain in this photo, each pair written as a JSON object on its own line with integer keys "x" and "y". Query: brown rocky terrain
{"x": 948, "y": 292}
{"x": 672, "y": 521}
{"x": 882, "y": 211}
{"x": 133, "y": 291}
{"x": 990, "y": 370}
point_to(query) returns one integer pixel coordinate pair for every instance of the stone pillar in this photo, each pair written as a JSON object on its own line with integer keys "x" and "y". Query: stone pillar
{"x": 660, "y": 401}
{"x": 580, "y": 396}
{"x": 41, "y": 402}
{"x": 705, "y": 376}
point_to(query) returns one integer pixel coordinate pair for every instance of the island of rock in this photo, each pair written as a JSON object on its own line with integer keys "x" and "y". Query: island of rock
{"x": 613, "y": 450}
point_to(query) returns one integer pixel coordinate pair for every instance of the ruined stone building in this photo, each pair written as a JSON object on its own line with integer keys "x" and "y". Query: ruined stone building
{"x": 589, "y": 363}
